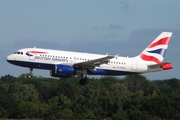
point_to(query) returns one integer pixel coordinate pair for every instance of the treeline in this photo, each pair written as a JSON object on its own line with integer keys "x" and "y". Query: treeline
{"x": 130, "y": 98}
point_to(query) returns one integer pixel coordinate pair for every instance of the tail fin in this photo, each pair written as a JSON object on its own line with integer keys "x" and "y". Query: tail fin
{"x": 155, "y": 52}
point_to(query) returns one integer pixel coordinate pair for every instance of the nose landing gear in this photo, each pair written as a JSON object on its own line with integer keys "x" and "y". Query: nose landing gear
{"x": 29, "y": 76}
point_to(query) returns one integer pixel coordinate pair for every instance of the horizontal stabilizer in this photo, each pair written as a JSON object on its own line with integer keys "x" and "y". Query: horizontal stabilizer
{"x": 164, "y": 65}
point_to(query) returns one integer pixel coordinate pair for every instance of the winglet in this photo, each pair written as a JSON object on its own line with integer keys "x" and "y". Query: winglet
{"x": 116, "y": 56}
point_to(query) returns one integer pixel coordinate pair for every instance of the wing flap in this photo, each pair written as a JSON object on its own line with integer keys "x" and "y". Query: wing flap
{"x": 91, "y": 64}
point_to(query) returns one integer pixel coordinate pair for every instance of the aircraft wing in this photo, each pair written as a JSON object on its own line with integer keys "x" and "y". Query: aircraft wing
{"x": 91, "y": 64}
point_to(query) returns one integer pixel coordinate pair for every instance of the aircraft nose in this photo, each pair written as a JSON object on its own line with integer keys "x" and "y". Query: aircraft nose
{"x": 9, "y": 58}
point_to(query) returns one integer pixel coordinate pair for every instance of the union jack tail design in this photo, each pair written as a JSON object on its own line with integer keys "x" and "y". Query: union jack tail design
{"x": 155, "y": 52}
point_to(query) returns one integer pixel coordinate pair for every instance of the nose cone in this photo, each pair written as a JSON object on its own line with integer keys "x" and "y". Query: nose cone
{"x": 9, "y": 58}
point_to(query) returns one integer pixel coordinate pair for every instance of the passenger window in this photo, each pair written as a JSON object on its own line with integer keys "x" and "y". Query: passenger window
{"x": 21, "y": 53}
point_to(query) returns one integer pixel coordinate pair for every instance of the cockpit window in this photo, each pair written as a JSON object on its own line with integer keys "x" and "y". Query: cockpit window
{"x": 20, "y": 53}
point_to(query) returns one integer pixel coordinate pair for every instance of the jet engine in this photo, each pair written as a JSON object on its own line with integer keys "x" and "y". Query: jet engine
{"x": 63, "y": 71}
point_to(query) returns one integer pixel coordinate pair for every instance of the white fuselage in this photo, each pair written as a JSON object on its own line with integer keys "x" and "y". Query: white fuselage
{"x": 48, "y": 59}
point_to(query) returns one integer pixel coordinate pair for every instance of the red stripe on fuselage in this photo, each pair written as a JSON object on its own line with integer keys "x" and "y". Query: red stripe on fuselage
{"x": 163, "y": 41}
{"x": 37, "y": 52}
{"x": 149, "y": 58}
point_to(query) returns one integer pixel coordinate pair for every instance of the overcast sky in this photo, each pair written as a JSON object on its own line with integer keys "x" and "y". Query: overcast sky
{"x": 95, "y": 26}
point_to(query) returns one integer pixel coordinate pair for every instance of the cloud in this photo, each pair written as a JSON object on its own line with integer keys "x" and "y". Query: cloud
{"x": 110, "y": 27}
{"x": 102, "y": 47}
{"x": 138, "y": 40}
{"x": 113, "y": 27}
{"x": 26, "y": 43}
{"x": 31, "y": 43}
{"x": 124, "y": 5}
{"x": 147, "y": 34}
{"x": 110, "y": 35}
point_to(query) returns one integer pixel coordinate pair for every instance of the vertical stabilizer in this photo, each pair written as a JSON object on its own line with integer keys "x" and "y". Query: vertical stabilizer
{"x": 155, "y": 52}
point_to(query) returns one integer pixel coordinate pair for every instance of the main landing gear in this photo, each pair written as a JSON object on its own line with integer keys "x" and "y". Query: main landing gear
{"x": 29, "y": 76}
{"x": 84, "y": 80}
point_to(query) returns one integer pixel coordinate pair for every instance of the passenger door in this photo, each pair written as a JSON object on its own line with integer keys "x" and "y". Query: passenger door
{"x": 134, "y": 65}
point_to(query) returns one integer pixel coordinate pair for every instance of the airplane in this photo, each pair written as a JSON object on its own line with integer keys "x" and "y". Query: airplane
{"x": 65, "y": 64}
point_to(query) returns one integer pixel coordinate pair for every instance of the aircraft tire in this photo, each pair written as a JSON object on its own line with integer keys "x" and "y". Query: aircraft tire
{"x": 84, "y": 81}
{"x": 29, "y": 76}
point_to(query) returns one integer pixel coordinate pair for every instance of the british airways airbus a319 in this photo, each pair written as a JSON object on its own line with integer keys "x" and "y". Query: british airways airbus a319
{"x": 68, "y": 64}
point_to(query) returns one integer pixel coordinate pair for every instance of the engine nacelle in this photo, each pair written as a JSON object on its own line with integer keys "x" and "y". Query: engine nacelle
{"x": 167, "y": 66}
{"x": 65, "y": 70}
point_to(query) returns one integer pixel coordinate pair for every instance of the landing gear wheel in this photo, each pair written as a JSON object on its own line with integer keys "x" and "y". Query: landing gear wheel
{"x": 29, "y": 76}
{"x": 84, "y": 81}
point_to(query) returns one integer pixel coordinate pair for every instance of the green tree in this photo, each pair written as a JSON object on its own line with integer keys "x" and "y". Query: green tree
{"x": 27, "y": 110}
{"x": 59, "y": 107}
{"x": 23, "y": 92}
{"x": 116, "y": 95}
{"x": 135, "y": 83}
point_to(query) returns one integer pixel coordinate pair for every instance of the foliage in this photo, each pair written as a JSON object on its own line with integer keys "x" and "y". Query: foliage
{"x": 130, "y": 98}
